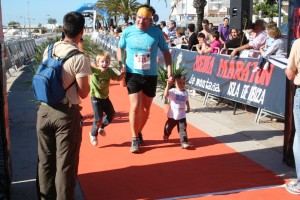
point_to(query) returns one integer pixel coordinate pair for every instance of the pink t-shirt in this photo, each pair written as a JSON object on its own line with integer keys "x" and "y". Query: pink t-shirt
{"x": 215, "y": 45}
{"x": 259, "y": 40}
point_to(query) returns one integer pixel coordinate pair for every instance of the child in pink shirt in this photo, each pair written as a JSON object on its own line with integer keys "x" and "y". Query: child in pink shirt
{"x": 215, "y": 45}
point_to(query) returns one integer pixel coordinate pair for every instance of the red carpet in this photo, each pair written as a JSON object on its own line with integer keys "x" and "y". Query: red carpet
{"x": 164, "y": 170}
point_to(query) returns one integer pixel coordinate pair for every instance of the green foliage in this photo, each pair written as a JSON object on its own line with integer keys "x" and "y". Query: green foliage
{"x": 14, "y": 24}
{"x": 39, "y": 51}
{"x": 162, "y": 75}
{"x": 90, "y": 48}
{"x": 267, "y": 9}
{"x": 52, "y": 21}
{"x": 118, "y": 9}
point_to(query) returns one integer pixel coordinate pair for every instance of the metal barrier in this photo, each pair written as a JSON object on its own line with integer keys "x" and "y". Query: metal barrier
{"x": 225, "y": 85}
{"x": 18, "y": 52}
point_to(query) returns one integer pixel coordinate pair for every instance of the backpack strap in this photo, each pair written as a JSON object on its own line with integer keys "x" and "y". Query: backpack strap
{"x": 50, "y": 49}
{"x": 69, "y": 55}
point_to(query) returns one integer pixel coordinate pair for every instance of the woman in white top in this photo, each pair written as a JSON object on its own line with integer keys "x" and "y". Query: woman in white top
{"x": 278, "y": 48}
{"x": 180, "y": 38}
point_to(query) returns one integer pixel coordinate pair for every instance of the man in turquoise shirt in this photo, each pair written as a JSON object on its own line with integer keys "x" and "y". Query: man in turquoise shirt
{"x": 141, "y": 42}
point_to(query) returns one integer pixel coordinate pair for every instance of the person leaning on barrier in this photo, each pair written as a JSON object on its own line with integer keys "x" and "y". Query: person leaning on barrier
{"x": 180, "y": 40}
{"x": 192, "y": 37}
{"x": 206, "y": 30}
{"x": 171, "y": 32}
{"x": 59, "y": 127}
{"x": 164, "y": 27}
{"x": 202, "y": 45}
{"x": 236, "y": 40}
{"x": 256, "y": 42}
{"x": 215, "y": 45}
{"x": 141, "y": 42}
{"x": 293, "y": 74}
{"x": 165, "y": 35}
{"x": 277, "y": 48}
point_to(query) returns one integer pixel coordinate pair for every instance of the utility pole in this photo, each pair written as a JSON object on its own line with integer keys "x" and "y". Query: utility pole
{"x": 279, "y": 13}
{"x": 29, "y": 32}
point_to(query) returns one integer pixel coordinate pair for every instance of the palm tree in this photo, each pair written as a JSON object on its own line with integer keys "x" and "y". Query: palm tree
{"x": 119, "y": 8}
{"x": 199, "y": 5}
{"x": 111, "y": 7}
{"x": 128, "y": 9}
{"x": 148, "y": 2}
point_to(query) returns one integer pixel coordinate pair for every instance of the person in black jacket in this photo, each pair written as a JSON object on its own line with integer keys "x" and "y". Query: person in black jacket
{"x": 192, "y": 38}
{"x": 236, "y": 39}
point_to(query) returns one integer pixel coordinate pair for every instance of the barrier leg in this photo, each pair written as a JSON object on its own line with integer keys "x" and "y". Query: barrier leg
{"x": 234, "y": 107}
{"x": 258, "y": 114}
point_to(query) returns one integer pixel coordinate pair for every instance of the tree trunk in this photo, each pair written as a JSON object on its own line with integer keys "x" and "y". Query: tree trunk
{"x": 199, "y": 5}
{"x": 126, "y": 18}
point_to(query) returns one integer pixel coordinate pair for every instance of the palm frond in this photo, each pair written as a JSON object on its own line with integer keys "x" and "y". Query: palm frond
{"x": 162, "y": 74}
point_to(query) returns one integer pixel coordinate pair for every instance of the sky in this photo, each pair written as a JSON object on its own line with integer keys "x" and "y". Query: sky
{"x": 39, "y": 11}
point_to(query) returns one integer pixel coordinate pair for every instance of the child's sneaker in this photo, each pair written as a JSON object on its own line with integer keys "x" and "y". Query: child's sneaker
{"x": 134, "y": 146}
{"x": 93, "y": 140}
{"x": 255, "y": 69}
{"x": 184, "y": 145}
{"x": 102, "y": 132}
{"x": 140, "y": 139}
{"x": 292, "y": 187}
{"x": 266, "y": 66}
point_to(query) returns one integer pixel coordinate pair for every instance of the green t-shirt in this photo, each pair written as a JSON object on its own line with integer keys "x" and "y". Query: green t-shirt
{"x": 99, "y": 82}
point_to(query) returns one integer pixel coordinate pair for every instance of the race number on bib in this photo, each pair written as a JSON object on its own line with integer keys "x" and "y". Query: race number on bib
{"x": 142, "y": 61}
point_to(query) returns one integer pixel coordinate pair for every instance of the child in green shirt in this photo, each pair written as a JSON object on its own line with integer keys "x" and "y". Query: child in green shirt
{"x": 99, "y": 91}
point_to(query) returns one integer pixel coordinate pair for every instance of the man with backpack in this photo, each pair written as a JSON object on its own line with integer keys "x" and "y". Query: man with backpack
{"x": 59, "y": 125}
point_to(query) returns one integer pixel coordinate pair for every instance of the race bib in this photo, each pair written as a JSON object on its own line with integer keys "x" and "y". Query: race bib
{"x": 142, "y": 61}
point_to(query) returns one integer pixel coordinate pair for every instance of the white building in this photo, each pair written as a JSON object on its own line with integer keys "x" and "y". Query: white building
{"x": 185, "y": 13}
{"x": 217, "y": 8}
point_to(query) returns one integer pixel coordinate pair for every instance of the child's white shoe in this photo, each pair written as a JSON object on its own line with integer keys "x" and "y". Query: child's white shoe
{"x": 266, "y": 66}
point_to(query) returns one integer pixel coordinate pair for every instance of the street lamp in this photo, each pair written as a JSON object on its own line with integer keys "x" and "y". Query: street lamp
{"x": 29, "y": 32}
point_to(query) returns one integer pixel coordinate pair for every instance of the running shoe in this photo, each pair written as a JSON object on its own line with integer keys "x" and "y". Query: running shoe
{"x": 140, "y": 139}
{"x": 292, "y": 187}
{"x": 134, "y": 146}
{"x": 102, "y": 132}
{"x": 93, "y": 139}
{"x": 184, "y": 145}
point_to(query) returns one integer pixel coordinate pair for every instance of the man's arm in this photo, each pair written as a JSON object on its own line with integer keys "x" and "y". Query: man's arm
{"x": 121, "y": 56}
{"x": 166, "y": 91}
{"x": 291, "y": 69}
{"x": 290, "y": 74}
{"x": 83, "y": 86}
{"x": 168, "y": 63}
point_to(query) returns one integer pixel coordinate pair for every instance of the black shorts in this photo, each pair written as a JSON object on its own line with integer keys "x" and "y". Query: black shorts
{"x": 138, "y": 82}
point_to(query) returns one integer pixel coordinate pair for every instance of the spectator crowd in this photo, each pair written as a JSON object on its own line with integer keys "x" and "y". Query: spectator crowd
{"x": 261, "y": 40}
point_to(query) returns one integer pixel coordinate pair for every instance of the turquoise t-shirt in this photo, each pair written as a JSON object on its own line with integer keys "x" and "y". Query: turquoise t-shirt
{"x": 99, "y": 82}
{"x": 142, "y": 45}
